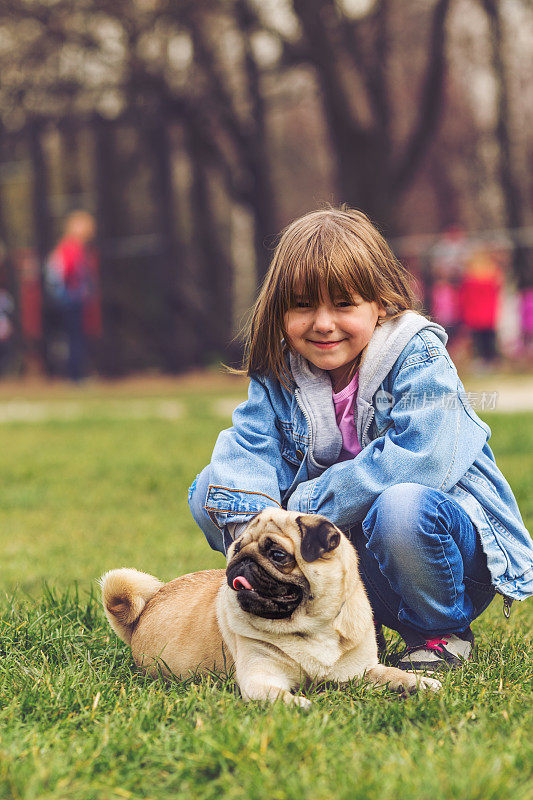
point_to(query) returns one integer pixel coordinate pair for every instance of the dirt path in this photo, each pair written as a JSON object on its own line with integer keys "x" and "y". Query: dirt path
{"x": 146, "y": 396}
{"x": 513, "y": 392}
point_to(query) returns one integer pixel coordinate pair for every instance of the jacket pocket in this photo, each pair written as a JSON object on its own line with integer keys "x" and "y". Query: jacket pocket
{"x": 292, "y": 454}
{"x": 301, "y": 475}
{"x": 292, "y": 446}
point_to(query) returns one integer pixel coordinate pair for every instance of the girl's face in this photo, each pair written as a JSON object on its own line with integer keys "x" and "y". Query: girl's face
{"x": 333, "y": 333}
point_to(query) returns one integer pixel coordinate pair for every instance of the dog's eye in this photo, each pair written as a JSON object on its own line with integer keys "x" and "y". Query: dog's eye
{"x": 278, "y": 555}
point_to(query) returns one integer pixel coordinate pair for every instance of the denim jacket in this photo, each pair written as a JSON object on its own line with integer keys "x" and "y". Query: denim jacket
{"x": 414, "y": 424}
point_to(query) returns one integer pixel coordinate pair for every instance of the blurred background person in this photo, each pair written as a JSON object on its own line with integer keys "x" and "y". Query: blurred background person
{"x": 72, "y": 282}
{"x": 7, "y": 307}
{"x": 446, "y": 303}
{"x": 526, "y": 320}
{"x": 450, "y": 252}
{"x": 480, "y": 300}
{"x": 7, "y": 311}
{"x": 448, "y": 259}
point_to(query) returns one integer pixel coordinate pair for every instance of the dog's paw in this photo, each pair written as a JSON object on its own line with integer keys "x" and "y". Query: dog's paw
{"x": 272, "y": 694}
{"x": 423, "y": 682}
{"x": 298, "y": 700}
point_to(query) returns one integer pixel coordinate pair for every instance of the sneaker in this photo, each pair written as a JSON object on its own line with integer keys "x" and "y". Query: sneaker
{"x": 445, "y": 652}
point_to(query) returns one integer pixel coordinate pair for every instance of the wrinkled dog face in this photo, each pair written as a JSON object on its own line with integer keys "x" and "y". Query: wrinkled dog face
{"x": 267, "y": 564}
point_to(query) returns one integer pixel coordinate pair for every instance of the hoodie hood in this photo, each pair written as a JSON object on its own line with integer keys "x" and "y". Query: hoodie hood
{"x": 386, "y": 345}
{"x": 314, "y": 393}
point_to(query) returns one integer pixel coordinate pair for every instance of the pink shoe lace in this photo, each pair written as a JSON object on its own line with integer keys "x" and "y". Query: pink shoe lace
{"x": 436, "y": 644}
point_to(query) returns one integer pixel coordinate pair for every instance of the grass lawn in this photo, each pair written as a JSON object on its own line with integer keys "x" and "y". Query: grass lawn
{"x": 95, "y": 491}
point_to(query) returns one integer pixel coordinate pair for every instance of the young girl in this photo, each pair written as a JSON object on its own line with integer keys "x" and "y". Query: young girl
{"x": 355, "y": 411}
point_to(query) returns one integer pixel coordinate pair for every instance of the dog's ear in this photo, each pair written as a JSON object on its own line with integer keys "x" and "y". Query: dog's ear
{"x": 319, "y": 536}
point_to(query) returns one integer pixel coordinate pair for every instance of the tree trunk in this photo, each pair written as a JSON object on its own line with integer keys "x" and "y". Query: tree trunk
{"x": 41, "y": 227}
{"x": 262, "y": 206}
{"x": 70, "y": 164}
{"x": 8, "y": 276}
{"x": 370, "y": 176}
{"x": 215, "y": 274}
{"x": 509, "y": 184}
{"x": 109, "y": 357}
{"x": 177, "y": 335}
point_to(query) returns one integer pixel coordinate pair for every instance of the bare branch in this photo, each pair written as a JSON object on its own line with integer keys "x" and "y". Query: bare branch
{"x": 371, "y": 62}
{"x": 221, "y": 94}
{"x": 319, "y": 22}
{"x": 431, "y": 101}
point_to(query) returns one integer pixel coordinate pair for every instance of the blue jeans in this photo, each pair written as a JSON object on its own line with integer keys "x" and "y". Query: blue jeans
{"x": 420, "y": 559}
{"x": 422, "y": 563}
{"x": 218, "y": 540}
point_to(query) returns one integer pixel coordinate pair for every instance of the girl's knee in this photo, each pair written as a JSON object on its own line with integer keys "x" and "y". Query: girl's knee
{"x": 400, "y": 513}
{"x": 197, "y": 497}
{"x": 198, "y": 493}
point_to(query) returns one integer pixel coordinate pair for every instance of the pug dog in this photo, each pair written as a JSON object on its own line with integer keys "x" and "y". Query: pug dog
{"x": 289, "y": 610}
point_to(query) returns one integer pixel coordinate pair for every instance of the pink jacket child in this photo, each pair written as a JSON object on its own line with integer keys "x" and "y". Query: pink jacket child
{"x": 480, "y": 299}
{"x": 480, "y": 293}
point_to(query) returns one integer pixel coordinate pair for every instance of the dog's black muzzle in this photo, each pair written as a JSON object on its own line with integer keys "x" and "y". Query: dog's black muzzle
{"x": 268, "y": 597}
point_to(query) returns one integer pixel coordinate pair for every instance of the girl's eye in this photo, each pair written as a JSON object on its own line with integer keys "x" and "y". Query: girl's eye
{"x": 302, "y": 304}
{"x": 344, "y": 304}
{"x": 278, "y": 555}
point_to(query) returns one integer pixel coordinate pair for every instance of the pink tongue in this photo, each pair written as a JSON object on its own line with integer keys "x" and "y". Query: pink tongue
{"x": 240, "y": 582}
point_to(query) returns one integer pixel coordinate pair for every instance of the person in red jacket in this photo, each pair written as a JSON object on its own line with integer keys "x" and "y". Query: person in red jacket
{"x": 480, "y": 303}
{"x": 72, "y": 278}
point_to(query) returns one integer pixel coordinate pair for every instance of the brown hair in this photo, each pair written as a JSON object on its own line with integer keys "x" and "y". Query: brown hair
{"x": 337, "y": 247}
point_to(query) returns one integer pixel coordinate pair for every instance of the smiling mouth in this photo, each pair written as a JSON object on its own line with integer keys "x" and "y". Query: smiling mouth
{"x": 325, "y": 345}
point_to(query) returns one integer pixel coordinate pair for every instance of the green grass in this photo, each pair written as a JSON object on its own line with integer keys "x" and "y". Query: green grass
{"x": 78, "y": 721}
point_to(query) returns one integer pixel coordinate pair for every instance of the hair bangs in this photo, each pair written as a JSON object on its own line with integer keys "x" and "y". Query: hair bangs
{"x": 344, "y": 264}
{"x": 304, "y": 272}
{"x": 346, "y": 275}
{"x": 327, "y": 259}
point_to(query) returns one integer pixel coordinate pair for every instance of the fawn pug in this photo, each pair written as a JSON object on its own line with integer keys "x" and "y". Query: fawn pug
{"x": 289, "y": 608}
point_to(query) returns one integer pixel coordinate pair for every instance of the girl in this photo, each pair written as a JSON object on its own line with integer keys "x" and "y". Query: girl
{"x": 355, "y": 411}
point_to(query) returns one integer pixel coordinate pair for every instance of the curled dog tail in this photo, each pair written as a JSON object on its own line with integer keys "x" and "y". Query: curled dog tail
{"x": 125, "y": 593}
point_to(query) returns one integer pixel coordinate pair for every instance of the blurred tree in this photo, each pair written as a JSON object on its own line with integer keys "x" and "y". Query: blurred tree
{"x": 351, "y": 55}
{"x": 71, "y": 162}
{"x": 107, "y": 203}
{"x": 231, "y": 113}
{"x": 213, "y": 259}
{"x": 41, "y": 220}
{"x": 512, "y": 199}
{"x": 128, "y": 61}
{"x": 185, "y": 101}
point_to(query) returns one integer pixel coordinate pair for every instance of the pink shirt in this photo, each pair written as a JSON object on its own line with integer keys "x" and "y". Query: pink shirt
{"x": 344, "y": 402}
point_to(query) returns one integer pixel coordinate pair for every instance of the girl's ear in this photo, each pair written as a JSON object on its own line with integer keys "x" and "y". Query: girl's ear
{"x": 382, "y": 312}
